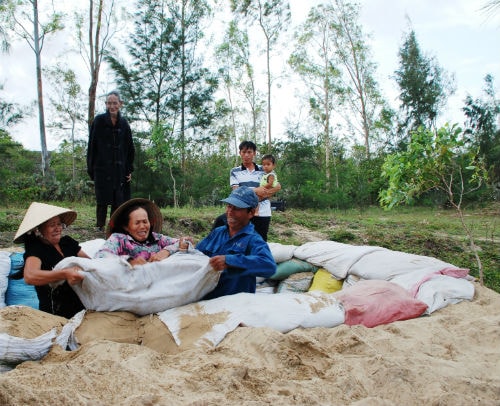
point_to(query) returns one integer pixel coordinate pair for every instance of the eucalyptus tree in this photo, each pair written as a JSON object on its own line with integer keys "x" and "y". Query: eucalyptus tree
{"x": 230, "y": 70}
{"x": 315, "y": 60}
{"x": 94, "y": 34}
{"x": 147, "y": 79}
{"x": 69, "y": 105}
{"x": 10, "y": 113}
{"x": 491, "y": 7}
{"x": 165, "y": 81}
{"x": 4, "y": 35}
{"x": 22, "y": 17}
{"x": 481, "y": 127}
{"x": 196, "y": 84}
{"x": 273, "y": 18}
{"x": 361, "y": 92}
{"x": 424, "y": 87}
{"x": 238, "y": 75}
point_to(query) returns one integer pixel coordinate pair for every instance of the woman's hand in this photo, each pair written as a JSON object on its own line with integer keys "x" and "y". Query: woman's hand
{"x": 137, "y": 261}
{"x": 73, "y": 276}
{"x": 184, "y": 242}
{"x": 159, "y": 256}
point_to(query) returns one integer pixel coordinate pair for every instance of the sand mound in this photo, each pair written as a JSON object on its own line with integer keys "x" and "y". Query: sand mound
{"x": 451, "y": 358}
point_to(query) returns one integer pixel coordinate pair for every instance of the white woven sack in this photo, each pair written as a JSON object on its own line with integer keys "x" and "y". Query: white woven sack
{"x": 4, "y": 275}
{"x": 281, "y": 252}
{"x": 110, "y": 284}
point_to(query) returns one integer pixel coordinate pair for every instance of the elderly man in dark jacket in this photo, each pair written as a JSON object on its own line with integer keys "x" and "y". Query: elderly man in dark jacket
{"x": 110, "y": 158}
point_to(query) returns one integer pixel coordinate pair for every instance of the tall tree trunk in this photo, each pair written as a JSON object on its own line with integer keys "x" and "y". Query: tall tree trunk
{"x": 41, "y": 116}
{"x": 183, "y": 87}
{"x": 326, "y": 131}
{"x": 94, "y": 55}
{"x": 268, "y": 57}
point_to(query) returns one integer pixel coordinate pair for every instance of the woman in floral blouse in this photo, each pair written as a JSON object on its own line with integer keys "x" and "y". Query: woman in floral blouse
{"x": 134, "y": 234}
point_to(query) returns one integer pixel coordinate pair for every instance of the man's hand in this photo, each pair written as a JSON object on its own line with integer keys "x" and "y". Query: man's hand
{"x": 264, "y": 193}
{"x": 218, "y": 262}
{"x": 261, "y": 192}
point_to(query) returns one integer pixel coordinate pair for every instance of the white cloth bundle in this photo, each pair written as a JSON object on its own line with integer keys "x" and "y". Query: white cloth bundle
{"x": 111, "y": 284}
{"x": 282, "y": 312}
{"x": 4, "y": 275}
{"x": 281, "y": 252}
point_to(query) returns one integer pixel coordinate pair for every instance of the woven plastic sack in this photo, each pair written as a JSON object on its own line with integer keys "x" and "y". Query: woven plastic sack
{"x": 324, "y": 281}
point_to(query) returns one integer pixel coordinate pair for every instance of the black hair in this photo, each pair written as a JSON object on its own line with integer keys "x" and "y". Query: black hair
{"x": 124, "y": 217}
{"x": 268, "y": 157}
{"x": 248, "y": 145}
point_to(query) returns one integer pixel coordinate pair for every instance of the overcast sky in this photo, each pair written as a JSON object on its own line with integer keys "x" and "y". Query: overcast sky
{"x": 463, "y": 39}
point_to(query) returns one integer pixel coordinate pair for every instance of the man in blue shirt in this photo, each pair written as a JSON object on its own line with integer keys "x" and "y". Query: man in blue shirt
{"x": 236, "y": 249}
{"x": 249, "y": 174}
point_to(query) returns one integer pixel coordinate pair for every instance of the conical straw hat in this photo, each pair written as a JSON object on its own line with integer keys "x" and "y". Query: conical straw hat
{"x": 39, "y": 213}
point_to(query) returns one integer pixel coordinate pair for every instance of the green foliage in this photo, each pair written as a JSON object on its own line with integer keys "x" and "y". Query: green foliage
{"x": 481, "y": 127}
{"x": 16, "y": 170}
{"x": 69, "y": 162}
{"x": 340, "y": 235}
{"x": 423, "y": 86}
{"x": 10, "y": 113}
{"x": 238, "y": 77}
{"x": 433, "y": 160}
{"x": 175, "y": 88}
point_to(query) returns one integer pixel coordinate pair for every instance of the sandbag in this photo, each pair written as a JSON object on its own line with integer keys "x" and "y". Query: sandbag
{"x": 324, "y": 281}
{"x": 336, "y": 257}
{"x": 111, "y": 284}
{"x": 211, "y": 320}
{"x": 294, "y": 265}
{"x": 374, "y": 302}
{"x": 18, "y": 291}
{"x": 281, "y": 252}
{"x": 4, "y": 275}
{"x": 443, "y": 290}
{"x": 296, "y": 283}
{"x": 389, "y": 265}
{"x": 92, "y": 246}
{"x": 33, "y": 340}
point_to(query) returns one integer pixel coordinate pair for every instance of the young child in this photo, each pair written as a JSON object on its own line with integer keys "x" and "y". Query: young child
{"x": 269, "y": 179}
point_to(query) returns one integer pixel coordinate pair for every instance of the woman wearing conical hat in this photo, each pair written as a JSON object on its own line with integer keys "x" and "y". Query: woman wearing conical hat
{"x": 41, "y": 233}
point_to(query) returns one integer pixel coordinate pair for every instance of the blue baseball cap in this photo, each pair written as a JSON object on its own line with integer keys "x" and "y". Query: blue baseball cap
{"x": 242, "y": 197}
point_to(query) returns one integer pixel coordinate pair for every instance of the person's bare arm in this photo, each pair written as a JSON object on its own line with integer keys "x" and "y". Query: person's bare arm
{"x": 82, "y": 254}
{"x": 263, "y": 193}
{"x": 34, "y": 275}
{"x": 270, "y": 181}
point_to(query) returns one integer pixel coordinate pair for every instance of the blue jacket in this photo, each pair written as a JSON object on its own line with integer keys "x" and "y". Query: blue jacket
{"x": 247, "y": 256}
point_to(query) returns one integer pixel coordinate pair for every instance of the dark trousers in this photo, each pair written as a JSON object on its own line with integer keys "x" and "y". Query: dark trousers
{"x": 261, "y": 224}
{"x": 101, "y": 210}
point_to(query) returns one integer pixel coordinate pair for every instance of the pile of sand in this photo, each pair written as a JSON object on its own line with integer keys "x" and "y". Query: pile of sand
{"x": 449, "y": 358}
